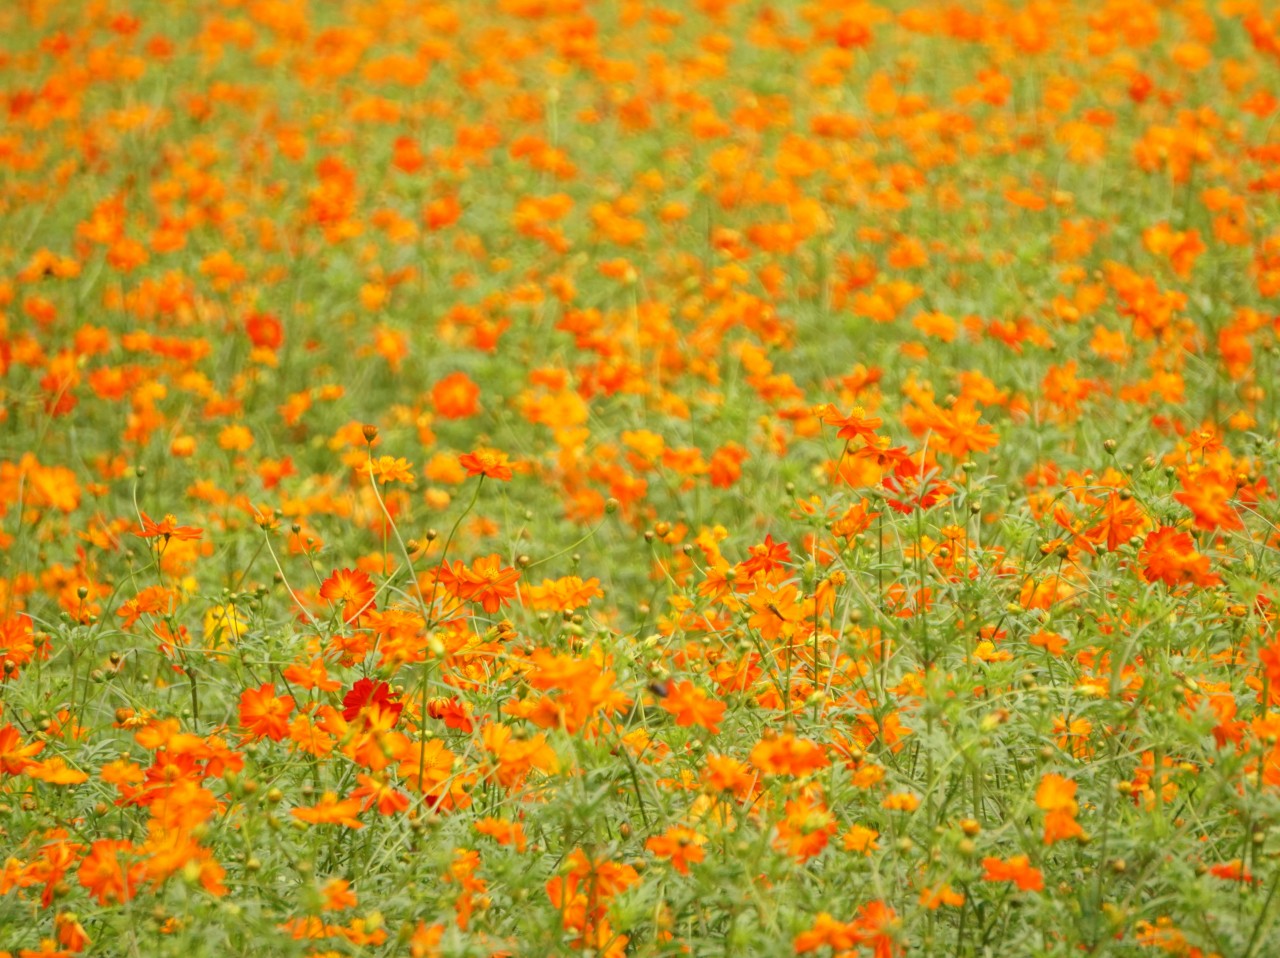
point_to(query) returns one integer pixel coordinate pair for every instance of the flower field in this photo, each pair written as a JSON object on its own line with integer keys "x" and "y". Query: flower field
{"x": 700, "y": 477}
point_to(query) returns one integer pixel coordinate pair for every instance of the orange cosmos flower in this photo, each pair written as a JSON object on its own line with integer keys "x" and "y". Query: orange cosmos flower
{"x": 17, "y": 644}
{"x": 514, "y": 757}
{"x": 48, "y": 949}
{"x": 944, "y": 894}
{"x": 107, "y": 877}
{"x": 375, "y": 791}
{"x": 388, "y": 469}
{"x": 455, "y": 397}
{"x": 841, "y": 937}
{"x": 488, "y": 583}
{"x": 55, "y": 771}
{"x": 876, "y": 925}
{"x": 353, "y": 588}
{"x": 805, "y": 829}
{"x": 263, "y": 714}
{"x": 486, "y": 462}
{"x": 861, "y": 839}
{"x": 726, "y": 774}
{"x": 1073, "y": 735}
{"x": 1169, "y": 556}
{"x": 853, "y": 426}
{"x": 1056, "y": 796}
{"x": 427, "y": 767}
{"x": 503, "y": 832}
{"x": 1051, "y": 642}
{"x": 917, "y": 484}
{"x": 692, "y": 706}
{"x": 1209, "y": 499}
{"x": 15, "y": 757}
{"x": 901, "y": 802}
{"x": 71, "y": 934}
{"x": 1017, "y": 870}
{"x": 330, "y": 810}
{"x": 1269, "y": 656}
{"x": 314, "y": 675}
{"x": 166, "y": 529}
{"x": 567, "y": 594}
{"x": 152, "y": 599}
{"x": 678, "y": 845}
{"x": 1233, "y": 870}
{"x": 787, "y": 755}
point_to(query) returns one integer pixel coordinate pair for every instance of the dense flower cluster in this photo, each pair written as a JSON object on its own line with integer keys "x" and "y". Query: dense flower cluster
{"x": 639, "y": 479}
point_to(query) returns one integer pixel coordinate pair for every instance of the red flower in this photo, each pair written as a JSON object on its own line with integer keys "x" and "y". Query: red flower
{"x": 370, "y": 698}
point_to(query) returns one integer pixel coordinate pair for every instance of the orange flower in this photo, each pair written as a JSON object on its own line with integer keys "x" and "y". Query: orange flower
{"x": 503, "y": 832}
{"x": 488, "y": 583}
{"x": 692, "y": 706}
{"x": 48, "y": 949}
{"x": 313, "y": 675}
{"x": 582, "y": 894}
{"x": 1056, "y": 796}
{"x": 486, "y": 462}
{"x": 806, "y": 827}
{"x": 859, "y": 838}
{"x": 853, "y": 426}
{"x": 901, "y": 802}
{"x": 876, "y": 925}
{"x": 388, "y": 469}
{"x": 776, "y": 612}
{"x": 1017, "y": 870}
{"x": 1233, "y": 870}
{"x": 15, "y": 757}
{"x": 55, "y": 771}
{"x": 455, "y": 397}
{"x": 561, "y": 595}
{"x": 1169, "y": 556}
{"x": 71, "y": 934}
{"x": 166, "y": 529}
{"x": 428, "y": 768}
{"x": 374, "y": 791}
{"x": 726, "y": 774}
{"x": 353, "y": 588}
{"x": 330, "y": 810}
{"x": 338, "y": 895}
{"x": 1073, "y": 735}
{"x": 787, "y": 755}
{"x": 151, "y": 600}
{"x": 678, "y": 845}
{"x": 841, "y": 937}
{"x": 514, "y": 757}
{"x": 263, "y": 714}
{"x": 104, "y": 874}
{"x": 1269, "y": 656}
{"x": 917, "y": 484}
{"x": 933, "y": 898}
{"x": 17, "y": 644}
{"x": 1051, "y": 642}
{"x": 1209, "y": 499}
